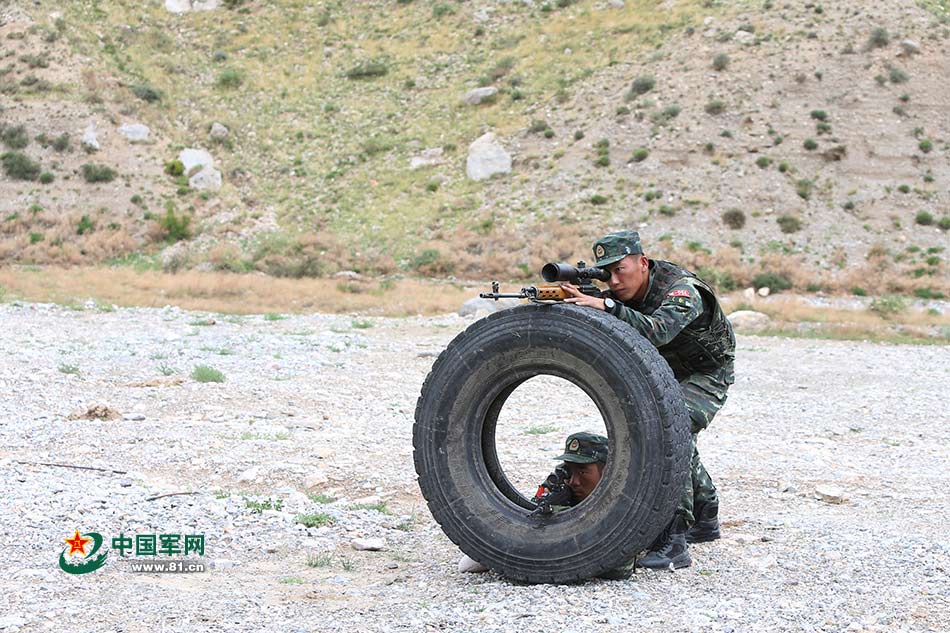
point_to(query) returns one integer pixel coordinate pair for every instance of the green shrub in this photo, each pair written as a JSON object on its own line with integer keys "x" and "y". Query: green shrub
{"x": 85, "y": 225}
{"x": 897, "y": 76}
{"x": 819, "y": 115}
{"x": 204, "y": 373}
{"x": 15, "y": 137}
{"x": 598, "y": 199}
{"x": 176, "y": 227}
{"x": 879, "y": 38}
{"x": 19, "y": 166}
{"x": 314, "y": 520}
{"x": 146, "y": 93}
{"x": 775, "y": 282}
{"x": 823, "y": 128}
{"x": 803, "y": 188}
{"x": 640, "y": 155}
{"x": 715, "y": 107}
{"x": 810, "y": 144}
{"x": 734, "y": 218}
{"x": 175, "y": 168}
{"x": 98, "y": 173}
{"x": 944, "y": 223}
{"x": 858, "y": 291}
{"x": 538, "y": 126}
{"x": 367, "y": 69}
{"x": 924, "y": 218}
{"x": 926, "y": 145}
{"x": 720, "y": 62}
{"x": 783, "y": 167}
{"x": 642, "y": 85}
{"x": 442, "y": 9}
{"x": 35, "y": 238}
{"x": 927, "y": 293}
{"x": 904, "y": 188}
{"x": 763, "y": 161}
{"x": 789, "y": 223}
{"x": 578, "y": 135}
{"x": 888, "y": 306}
{"x": 47, "y": 177}
{"x": 230, "y": 78}
{"x": 720, "y": 281}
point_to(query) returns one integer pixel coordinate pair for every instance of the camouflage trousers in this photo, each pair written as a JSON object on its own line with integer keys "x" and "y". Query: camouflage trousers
{"x": 705, "y": 394}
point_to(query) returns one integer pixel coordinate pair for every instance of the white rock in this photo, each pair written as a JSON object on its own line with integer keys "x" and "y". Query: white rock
{"x": 745, "y": 38}
{"x": 479, "y": 95}
{"x": 183, "y": 6}
{"x": 208, "y": 178}
{"x": 371, "y": 500}
{"x": 134, "y": 132}
{"x": 910, "y": 47}
{"x": 829, "y": 494}
{"x": 249, "y": 475}
{"x": 749, "y": 321}
{"x": 616, "y": 4}
{"x": 470, "y": 566}
{"x": 90, "y": 139}
{"x": 195, "y": 159}
{"x": 476, "y": 305}
{"x": 486, "y": 157}
{"x": 748, "y": 294}
{"x": 368, "y": 544}
{"x": 428, "y": 158}
{"x": 764, "y": 291}
{"x": 219, "y": 132}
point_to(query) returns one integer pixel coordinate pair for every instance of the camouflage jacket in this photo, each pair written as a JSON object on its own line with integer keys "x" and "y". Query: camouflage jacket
{"x": 682, "y": 317}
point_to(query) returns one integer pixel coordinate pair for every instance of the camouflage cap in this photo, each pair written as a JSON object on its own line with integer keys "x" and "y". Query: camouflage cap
{"x": 615, "y": 246}
{"x": 584, "y": 448}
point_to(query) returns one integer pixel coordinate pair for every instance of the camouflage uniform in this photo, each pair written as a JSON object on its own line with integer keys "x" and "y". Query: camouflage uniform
{"x": 681, "y": 316}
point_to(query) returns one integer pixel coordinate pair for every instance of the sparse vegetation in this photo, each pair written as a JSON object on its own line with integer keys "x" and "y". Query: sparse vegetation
{"x": 720, "y": 62}
{"x": 810, "y": 144}
{"x": 879, "y": 38}
{"x": 146, "y": 93}
{"x": 230, "y": 78}
{"x": 318, "y": 519}
{"x": 734, "y": 218}
{"x": 92, "y": 172}
{"x": 19, "y": 166}
{"x": 641, "y": 85}
{"x": 639, "y": 155}
{"x": 15, "y": 137}
{"x": 926, "y": 145}
{"x": 789, "y": 223}
{"x": 204, "y": 373}
{"x": 763, "y": 162}
{"x": 715, "y": 107}
{"x": 776, "y": 282}
{"x": 924, "y": 218}
{"x": 367, "y": 70}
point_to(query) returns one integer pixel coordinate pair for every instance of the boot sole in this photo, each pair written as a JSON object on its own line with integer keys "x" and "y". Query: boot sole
{"x": 678, "y": 563}
{"x": 703, "y": 538}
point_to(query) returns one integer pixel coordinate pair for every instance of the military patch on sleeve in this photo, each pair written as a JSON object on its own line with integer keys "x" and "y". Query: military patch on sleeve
{"x": 679, "y": 292}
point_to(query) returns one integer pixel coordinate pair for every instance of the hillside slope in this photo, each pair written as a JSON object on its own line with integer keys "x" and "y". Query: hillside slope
{"x": 820, "y": 129}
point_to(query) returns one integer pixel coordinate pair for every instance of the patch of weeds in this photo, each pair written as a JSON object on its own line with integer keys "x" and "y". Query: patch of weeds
{"x": 361, "y": 324}
{"x": 878, "y": 38}
{"x": 176, "y": 227}
{"x": 810, "y": 144}
{"x": 273, "y": 316}
{"x": 763, "y": 162}
{"x": 230, "y": 78}
{"x": 319, "y": 497}
{"x": 734, "y": 218}
{"x": 204, "y": 373}
{"x": 146, "y": 93}
{"x": 944, "y": 223}
{"x": 924, "y": 218}
{"x": 175, "y": 168}
{"x": 36, "y": 238}
{"x": 65, "y": 368}
{"x": 318, "y": 519}
{"x": 819, "y": 115}
{"x": 804, "y": 188}
{"x": 640, "y": 86}
{"x": 258, "y": 507}
{"x": 858, "y": 291}
{"x": 598, "y": 199}
{"x": 319, "y": 560}
{"x": 773, "y": 281}
{"x": 538, "y": 126}
{"x": 15, "y": 137}
{"x": 720, "y": 62}
{"x": 897, "y": 76}
{"x": 346, "y": 564}
{"x": 19, "y": 166}
{"x": 47, "y": 177}
{"x": 92, "y": 172}
{"x": 602, "y": 148}
{"x": 367, "y": 70}
{"x": 789, "y": 223}
{"x": 540, "y": 429}
{"x": 378, "y": 507}
{"x": 166, "y": 370}
{"x": 927, "y": 293}
{"x": 85, "y": 225}
{"x": 926, "y": 145}
{"x": 639, "y": 155}
{"x": 714, "y": 107}
{"x": 888, "y": 306}
{"x": 783, "y": 167}
{"x": 291, "y": 580}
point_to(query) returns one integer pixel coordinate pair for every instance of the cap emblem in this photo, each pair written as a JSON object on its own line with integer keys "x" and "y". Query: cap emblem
{"x": 599, "y": 251}
{"x": 573, "y": 446}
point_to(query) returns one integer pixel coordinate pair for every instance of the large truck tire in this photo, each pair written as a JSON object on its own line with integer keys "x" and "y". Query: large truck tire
{"x": 458, "y": 468}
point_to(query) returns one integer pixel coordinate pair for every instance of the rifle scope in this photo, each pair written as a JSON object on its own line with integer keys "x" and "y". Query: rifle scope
{"x": 565, "y": 272}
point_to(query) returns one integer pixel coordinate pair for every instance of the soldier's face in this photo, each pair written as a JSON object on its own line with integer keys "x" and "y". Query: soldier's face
{"x": 629, "y": 276}
{"x": 584, "y": 478}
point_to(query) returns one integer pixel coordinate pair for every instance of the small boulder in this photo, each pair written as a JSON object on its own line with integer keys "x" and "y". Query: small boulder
{"x": 134, "y": 132}
{"x": 428, "y": 158}
{"x": 194, "y": 160}
{"x": 749, "y": 321}
{"x": 208, "y": 178}
{"x": 477, "y": 304}
{"x": 486, "y": 157}
{"x": 315, "y": 479}
{"x": 830, "y": 494}
{"x": 764, "y": 291}
{"x": 90, "y": 140}
{"x": 184, "y": 6}
{"x": 744, "y": 37}
{"x": 368, "y": 544}
{"x": 748, "y": 294}
{"x": 219, "y": 132}
{"x": 910, "y": 47}
{"x": 480, "y": 95}
{"x": 471, "y": 566}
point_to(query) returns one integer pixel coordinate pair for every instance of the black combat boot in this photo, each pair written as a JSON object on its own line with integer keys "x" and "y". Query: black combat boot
{"x": 669, "y": 549}
{"x": 706, "y": 527}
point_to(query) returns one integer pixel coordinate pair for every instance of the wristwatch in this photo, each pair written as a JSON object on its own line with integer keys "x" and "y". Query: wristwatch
{"x": 610, "y": 305}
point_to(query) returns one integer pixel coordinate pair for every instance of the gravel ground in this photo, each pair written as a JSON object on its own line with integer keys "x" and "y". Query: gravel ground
{"x": 324, "y": 404}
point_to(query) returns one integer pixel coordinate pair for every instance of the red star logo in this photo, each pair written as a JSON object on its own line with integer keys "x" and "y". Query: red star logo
{"x": 77, "y": 544}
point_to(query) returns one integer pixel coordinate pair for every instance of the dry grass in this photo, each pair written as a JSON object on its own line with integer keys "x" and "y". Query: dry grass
{"x": 231, "y": 292}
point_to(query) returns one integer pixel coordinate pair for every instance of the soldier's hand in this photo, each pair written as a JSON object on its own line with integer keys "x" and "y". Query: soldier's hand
{"x": 581, "y": 299}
